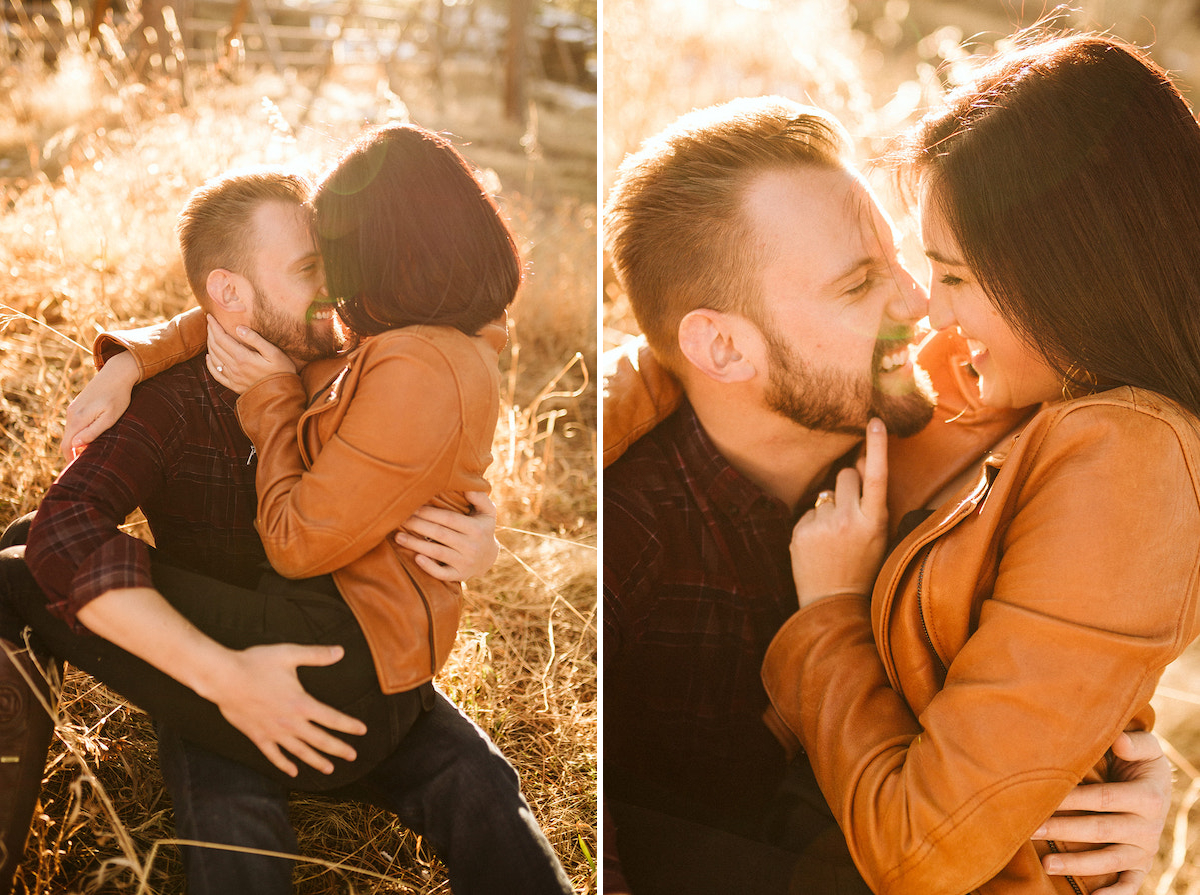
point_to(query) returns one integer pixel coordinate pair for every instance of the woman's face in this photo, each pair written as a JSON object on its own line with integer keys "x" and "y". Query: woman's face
{"x": 1011, "y": 374}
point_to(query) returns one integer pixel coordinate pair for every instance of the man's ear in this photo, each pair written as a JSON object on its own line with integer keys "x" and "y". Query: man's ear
{"x": 228, "y": 291}
{"x": 713, "y": 342}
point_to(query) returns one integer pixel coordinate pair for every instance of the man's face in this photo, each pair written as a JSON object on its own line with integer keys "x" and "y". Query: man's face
{"x": 291, "y": 307}
{"x": 836, "y": 307}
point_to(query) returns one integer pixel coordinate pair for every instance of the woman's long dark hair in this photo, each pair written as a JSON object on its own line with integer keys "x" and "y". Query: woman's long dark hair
{"x": 1069, "y": 174}
{"x": 410, "y": 236}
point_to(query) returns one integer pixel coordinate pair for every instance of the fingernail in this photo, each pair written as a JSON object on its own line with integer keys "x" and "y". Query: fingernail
{"x": 1053, "y": 865}
{"x": 242, "y": 330}
{"x": 1039, "y": 833}
{"x": 876, "y": 425}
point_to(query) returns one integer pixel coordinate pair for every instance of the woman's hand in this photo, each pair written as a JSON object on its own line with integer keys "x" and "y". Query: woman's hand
{"x": 242, "y": 362}
{"x": 838, "y": 545}
{"x": 450, "y": 545}
{"x": 100, "y": 404}
{"x": 1126, "y": 817}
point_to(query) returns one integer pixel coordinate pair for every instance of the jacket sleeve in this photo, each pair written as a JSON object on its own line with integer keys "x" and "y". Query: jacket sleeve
{"x": 638, "y": 394}
{"x": 396, "y": 448}
{"x": 156, "y": 347}
{"x": 1095, "y": 593}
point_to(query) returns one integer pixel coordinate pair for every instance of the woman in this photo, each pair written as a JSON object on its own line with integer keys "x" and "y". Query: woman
{"x": 1024, "y": 624}
{"x": 407, "y": 417}
{"x": 404, "y": 419}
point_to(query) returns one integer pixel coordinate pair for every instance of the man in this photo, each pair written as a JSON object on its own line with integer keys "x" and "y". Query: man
{"x": 179, "y": 453}
{"x": 766, "y": 281}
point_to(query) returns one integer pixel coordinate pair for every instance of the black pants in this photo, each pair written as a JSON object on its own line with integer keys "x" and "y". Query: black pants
{"x": 309, "y": 612}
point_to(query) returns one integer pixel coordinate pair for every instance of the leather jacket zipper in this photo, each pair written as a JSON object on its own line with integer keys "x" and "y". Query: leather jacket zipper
{"x": 921, "y": 612}
{"x": 920, "y": 542}
{"x": 1074, "y": 885}
{"x": 332, "y": 392}
{"x": 428, "y": 621}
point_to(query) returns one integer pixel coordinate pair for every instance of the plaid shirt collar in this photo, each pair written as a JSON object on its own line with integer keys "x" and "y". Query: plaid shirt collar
{"x": 715, "y": 481}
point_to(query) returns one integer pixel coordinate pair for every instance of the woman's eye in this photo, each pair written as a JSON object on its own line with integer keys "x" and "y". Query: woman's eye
{"x": 949, "y": 279}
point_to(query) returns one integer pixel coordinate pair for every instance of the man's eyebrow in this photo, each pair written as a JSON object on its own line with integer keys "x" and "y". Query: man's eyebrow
{"x": 853, "y": 269}
{"x": 305, "y": 258}
{"x": 935, "y": 255}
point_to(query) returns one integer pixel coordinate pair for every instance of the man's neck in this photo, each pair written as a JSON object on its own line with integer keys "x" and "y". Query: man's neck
{"x": 786, "y": 460}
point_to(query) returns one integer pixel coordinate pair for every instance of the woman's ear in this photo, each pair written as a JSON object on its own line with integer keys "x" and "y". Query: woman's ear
{"x": 228, "y": 291}
{"x": 714, "y": 343}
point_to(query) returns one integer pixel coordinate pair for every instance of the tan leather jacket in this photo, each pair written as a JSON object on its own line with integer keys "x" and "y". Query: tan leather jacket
{"x": 1010, "y": 638}
{"x": 405, "y": 419}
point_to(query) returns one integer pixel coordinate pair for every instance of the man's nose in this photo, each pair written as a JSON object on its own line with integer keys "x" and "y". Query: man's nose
{"x": 910, "y": 302}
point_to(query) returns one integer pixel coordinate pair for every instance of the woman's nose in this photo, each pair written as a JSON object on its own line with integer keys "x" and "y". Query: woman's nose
{"x": 941, "y": 313}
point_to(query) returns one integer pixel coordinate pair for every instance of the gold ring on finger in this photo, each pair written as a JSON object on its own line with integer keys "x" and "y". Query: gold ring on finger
{"x": 823, "y": 498}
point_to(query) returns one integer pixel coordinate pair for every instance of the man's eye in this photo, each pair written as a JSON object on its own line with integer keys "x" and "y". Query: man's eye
{"x": 862, "y": 287}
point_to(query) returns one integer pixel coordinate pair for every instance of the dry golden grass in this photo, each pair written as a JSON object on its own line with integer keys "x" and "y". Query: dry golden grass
{"x": 875, "y": 65}
{"x": 94, "y": 165}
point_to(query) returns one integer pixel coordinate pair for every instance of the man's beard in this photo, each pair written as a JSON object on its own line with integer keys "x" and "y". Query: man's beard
{"x": 299, "y": 341}
{"x": 830, "y": 401}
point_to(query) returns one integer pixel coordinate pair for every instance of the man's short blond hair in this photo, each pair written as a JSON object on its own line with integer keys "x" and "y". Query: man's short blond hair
{"x": 216, "y": 226}
{"x": 675, "y": 222}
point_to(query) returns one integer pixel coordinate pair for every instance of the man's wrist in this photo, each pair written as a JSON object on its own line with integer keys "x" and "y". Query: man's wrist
{"x": 213, "y": 671}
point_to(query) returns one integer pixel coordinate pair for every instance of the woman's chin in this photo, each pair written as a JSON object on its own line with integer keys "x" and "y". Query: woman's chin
{"x": 992, "y": 395}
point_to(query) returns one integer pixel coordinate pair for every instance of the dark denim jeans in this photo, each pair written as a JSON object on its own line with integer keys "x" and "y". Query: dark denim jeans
{"x": 219, "y": 800}
{"x": 446, "y": 781}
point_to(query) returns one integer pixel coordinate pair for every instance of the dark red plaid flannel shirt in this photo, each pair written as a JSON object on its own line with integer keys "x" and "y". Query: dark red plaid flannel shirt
{"x": 697, "y": 581}
{"x": 180, "y": 455}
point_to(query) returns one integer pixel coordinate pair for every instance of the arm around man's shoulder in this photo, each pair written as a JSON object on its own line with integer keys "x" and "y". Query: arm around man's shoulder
{"x": 156, "y": 347}
{"x": 638, "y": 392}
